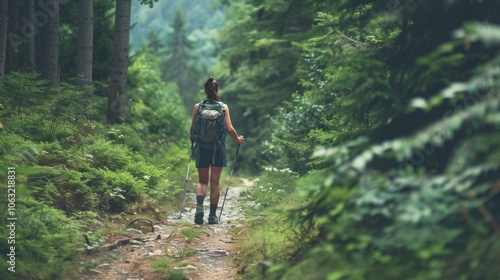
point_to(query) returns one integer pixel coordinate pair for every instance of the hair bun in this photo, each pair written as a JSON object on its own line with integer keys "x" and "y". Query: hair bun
{"x": 211, "y": 89}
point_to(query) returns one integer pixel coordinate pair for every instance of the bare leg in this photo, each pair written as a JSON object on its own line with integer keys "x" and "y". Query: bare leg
{"x": 214, "y": 185}
{"x": 201, "y": 192}
{"x": 202, "y": 181}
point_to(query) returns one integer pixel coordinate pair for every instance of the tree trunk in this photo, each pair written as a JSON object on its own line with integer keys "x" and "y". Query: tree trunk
{"x": 119, "y": 67}
{"x": 12, "y": 37}
{"x": 3, "y": 37}
{"x": 30, "y": 32}
{"x": 85, "y": 42}
{"x": 50, "y": 69}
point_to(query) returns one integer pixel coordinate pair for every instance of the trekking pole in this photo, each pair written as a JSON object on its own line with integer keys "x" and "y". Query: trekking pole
{"x": 187, "y": 175}
{"x": 229, "y": 181}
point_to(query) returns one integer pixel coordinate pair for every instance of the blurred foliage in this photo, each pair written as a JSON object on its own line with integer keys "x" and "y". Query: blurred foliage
{"x": 404, "y": 124}
{"x": 156, "y": 111}
{"x": 183, "y": 33}
{"x": 297, "y": 128}
{"x": 182, "y": 64}
{"x": 257, "y": 70}
{"x": 201, "y": 17}
{"x": 270, "y": 235}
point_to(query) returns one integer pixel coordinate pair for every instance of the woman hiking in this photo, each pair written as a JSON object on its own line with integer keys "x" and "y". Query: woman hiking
{"x": 211, "y": 121}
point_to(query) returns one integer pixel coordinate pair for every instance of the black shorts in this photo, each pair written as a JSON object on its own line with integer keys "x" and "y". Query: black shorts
{"x": 205, "y": 157}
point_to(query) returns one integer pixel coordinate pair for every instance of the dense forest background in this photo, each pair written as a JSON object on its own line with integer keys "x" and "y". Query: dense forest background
{"x": 184, "y": 35}
{"x": 373, "y": 126}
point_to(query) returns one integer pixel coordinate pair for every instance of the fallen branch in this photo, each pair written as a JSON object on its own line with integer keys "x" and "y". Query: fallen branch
{"x": 150, "y": 223}
{"x": 126, "y": 241}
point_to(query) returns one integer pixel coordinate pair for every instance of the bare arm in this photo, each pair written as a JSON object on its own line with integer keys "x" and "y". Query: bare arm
{"x": 195, "y": 115}
{"x": 230, "y": 129}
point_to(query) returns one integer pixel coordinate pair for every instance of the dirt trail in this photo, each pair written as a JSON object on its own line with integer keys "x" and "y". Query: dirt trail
{"x": 209, "y": 255}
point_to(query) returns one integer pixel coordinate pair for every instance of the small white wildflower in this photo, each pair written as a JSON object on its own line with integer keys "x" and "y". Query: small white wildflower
{"x": 146, "y": 177}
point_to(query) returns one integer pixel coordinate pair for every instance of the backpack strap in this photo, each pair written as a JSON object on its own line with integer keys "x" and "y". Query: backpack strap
{"x": 221, "y": 107}
{"x": 201, "y": 105}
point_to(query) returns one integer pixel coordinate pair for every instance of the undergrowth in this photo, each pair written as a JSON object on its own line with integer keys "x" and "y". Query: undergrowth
{"x": 269, "y": 236}
{"x": 74, "y": 173}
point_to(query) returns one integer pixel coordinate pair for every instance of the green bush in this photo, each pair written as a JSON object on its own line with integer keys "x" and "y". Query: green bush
{"x": 42, "y": 113}
{"x": 20, "y": 93}
{"x": 273, "y": 186}
{"x": 128, "y": 136}
{"x": 15, "y": 150}
{"x": 104, "y": 154}
{"x": 415, "y": 198}
{"x": 156, "y": 111}
{"x": 69, "y": 163}
{"x": 116, "y": 189}
{"x": 63, "y": 188}
{"x": 55, "y": 154}
{"x": 296, "y": 124}
{"x": 45, "y": 239}
{"x": 97, "y": 176}
{"x": 272, "y": 235}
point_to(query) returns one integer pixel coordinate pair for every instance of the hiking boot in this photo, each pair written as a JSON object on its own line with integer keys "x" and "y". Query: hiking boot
{"x": 198, "y": 215}
{"x": 213, "y": 220}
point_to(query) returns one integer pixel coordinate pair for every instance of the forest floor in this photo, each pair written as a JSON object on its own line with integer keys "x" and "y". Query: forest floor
{"x": 177, "y": 246}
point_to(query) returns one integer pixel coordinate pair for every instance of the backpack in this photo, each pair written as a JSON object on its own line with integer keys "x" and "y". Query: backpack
{"x": 210, "y": 126}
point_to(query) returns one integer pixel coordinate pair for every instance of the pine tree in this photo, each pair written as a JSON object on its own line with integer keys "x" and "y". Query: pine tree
{"x": 30, "y": 46}
{"x": 179, "y": 66}
{"x": 3, "y": 37}
{"x": 119, "y": 70}
{"x": 50, "y": 68}
{"x": 85, "y": 42}
{"x": 259, "y": 60}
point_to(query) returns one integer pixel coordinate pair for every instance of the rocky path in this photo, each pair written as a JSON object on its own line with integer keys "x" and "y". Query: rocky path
{"x": 215, "y": 249}
{"x": 179, "y": 246}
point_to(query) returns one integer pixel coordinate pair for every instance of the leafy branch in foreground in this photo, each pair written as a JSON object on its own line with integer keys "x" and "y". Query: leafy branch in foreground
{"x": 422, "y": 205}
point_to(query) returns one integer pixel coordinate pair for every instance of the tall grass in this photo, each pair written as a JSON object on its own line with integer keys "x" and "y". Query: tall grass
{"x": 269, "y": 235}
